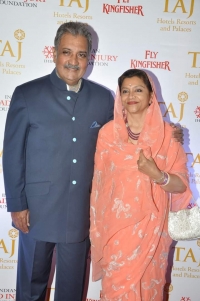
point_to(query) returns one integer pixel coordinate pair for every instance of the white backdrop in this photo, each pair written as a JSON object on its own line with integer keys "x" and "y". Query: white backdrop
{"x": 159, "y": 35}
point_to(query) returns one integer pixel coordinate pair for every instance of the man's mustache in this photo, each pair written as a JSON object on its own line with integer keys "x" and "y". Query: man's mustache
{"x": 69, "y": 66}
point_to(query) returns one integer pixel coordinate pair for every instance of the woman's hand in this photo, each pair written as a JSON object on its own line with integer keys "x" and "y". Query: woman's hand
{"x": 148, "y": 167}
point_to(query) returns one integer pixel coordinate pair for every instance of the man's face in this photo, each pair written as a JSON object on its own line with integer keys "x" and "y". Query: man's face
{"x": 71, "y": 58}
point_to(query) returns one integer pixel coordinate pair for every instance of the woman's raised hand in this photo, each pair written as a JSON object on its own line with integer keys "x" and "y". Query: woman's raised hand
{"x": 148, "y": 166}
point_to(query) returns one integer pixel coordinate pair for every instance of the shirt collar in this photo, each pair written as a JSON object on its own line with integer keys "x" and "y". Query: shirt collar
{"x": 75, "y": 88}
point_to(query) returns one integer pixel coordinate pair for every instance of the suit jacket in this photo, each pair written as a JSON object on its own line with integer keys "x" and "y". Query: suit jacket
{"x": 48, "y": 156}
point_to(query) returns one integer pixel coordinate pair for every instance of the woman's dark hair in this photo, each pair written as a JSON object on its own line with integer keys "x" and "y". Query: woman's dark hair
{"x": 135, "y": 72}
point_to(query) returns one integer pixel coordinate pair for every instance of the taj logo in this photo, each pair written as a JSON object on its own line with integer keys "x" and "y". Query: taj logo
{"x": 185, "y": 6}
{"x": 185, "y": 299}
{"x": 196, "y": 59}
{"x": 48, "y": 52}
{"x": 80, "y": 3}
{"x": 183, "y": 255}
{"x": 182, "y": 97}
{"x": 195, "y": 159}
{"x": 13, "y": 234}
{"x": 8, "y": 49}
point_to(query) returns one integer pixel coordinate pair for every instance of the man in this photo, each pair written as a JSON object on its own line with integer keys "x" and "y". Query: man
{"x": 49, "y": 145}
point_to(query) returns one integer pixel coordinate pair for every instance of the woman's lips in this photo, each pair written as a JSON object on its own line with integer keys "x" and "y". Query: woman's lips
{"x": 132, "y": 102}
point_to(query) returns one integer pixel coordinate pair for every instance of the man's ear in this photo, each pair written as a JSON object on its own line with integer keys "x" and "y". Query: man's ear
{"x": 54, "y": 55}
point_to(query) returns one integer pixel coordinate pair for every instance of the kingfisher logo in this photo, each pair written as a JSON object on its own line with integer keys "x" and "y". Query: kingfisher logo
{"x": 150, "y": 61}
{"x": 123, "y": 9}
{"x": 48, "y": 54}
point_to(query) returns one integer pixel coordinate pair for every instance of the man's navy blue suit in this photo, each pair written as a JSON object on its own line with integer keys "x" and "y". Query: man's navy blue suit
{"x": 48, "y": 157}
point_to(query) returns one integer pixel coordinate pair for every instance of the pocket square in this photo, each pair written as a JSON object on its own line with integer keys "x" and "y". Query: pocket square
{"x": 95, "y": 125}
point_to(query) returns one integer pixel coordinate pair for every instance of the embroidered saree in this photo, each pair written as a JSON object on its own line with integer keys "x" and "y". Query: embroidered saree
{"x": 129, "y": 237}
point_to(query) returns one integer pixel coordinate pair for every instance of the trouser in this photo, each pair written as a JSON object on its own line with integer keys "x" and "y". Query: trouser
{"x": 34, "y": 266}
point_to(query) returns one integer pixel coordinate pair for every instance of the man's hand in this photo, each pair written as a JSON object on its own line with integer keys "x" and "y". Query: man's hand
{"x": 21, "y": 220}
{"x": 177, "y": 133}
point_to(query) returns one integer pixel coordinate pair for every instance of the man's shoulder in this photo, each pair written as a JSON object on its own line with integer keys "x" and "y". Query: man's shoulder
{"x": 37, "y": 82}
{"x": 95, "y": 86}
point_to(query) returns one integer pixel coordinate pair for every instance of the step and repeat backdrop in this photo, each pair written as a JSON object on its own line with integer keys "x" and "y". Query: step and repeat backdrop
{"x": 161, "y": 36}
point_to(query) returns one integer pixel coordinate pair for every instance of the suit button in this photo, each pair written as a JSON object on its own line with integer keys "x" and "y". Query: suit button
{"x": 73, "y": 118}
{"x": 74, "y": 160}
{"x": 74, "y": 182}
{"x": 68, "y": 97}
{"x": 74, "y": 139}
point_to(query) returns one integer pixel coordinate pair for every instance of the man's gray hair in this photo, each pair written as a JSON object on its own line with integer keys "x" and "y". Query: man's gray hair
{"x": 75, "y": 29}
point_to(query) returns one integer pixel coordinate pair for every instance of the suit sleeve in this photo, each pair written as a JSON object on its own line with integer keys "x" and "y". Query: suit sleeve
{"x": 14, "y": 152}
{"x": 110, "y": 108}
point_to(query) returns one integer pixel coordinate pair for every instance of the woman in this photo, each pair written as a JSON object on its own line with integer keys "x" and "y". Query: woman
{"x": 137, "y": 164}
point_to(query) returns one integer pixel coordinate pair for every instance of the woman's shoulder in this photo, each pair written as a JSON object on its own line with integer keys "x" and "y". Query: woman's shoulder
{"x": 168, "y": 129}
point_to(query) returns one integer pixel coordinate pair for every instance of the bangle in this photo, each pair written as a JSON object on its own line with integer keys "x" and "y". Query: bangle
{"x": 166, "y": 180}
{"x": 161, "y": 179}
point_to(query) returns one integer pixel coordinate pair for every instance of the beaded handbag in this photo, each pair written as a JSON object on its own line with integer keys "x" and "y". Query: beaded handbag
{"x": 184, "y": 224}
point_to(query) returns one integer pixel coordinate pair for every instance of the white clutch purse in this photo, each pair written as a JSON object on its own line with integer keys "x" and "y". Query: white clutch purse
{"x": 184, "y": 224}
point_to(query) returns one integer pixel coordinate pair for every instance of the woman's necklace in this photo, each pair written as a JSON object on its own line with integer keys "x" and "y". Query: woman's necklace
{"x": 130, "y": 133}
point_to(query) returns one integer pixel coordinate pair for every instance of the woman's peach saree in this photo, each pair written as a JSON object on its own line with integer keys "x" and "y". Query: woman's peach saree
{"x": 129, "y": 237}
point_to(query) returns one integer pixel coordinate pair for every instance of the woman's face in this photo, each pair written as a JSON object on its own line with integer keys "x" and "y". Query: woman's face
{"x": 135, "y": 95}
